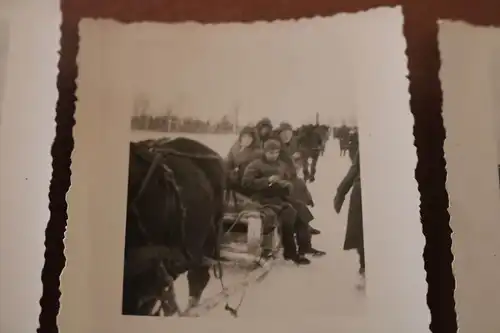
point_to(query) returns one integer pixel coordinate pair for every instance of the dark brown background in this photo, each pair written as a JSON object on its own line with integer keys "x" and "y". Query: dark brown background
{"x": 420, "y": 30}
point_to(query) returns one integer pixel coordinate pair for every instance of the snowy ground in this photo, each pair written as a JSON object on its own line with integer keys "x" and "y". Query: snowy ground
{"x": 326, "y": 287}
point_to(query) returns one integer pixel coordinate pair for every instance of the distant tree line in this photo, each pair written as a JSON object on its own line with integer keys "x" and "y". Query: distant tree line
{"x": 168, "y": 121}
{"x": 177, "y": 124}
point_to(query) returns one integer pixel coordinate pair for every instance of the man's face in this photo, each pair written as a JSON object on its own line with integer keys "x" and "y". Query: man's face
{"x": 297, "y": 163}
{"x": 265, "y": 130}
{"x": 286, "y": 136}
{"x": 246, "y": 140}
{"x": 272, "y": 155}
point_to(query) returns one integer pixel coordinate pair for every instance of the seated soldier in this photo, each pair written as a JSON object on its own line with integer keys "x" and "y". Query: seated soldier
{"x": 266, "y": 179}
{"x": 244, "y": 151}
{"x": 264, "y": 130}
{"x": 289, "y": 149}
{"x": 300, "y": 191}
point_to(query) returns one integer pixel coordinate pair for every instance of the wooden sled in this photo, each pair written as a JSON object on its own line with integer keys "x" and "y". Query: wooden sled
{"x": 255, "y": 276}
{"x": 243, "y": 238}
{"x": 242, "y": 245}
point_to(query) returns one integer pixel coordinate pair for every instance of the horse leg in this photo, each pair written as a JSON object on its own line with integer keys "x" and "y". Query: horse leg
{"x": 305, "y": 168}
{"x": 314, "y": 162}
{"x": 198, "y": 278}
{"x": 130, "y": 298}
{"x": 205, "y": 251}
{"x": 150, "y": 295}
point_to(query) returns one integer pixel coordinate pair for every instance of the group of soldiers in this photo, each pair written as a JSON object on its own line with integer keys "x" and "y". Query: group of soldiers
{"x": 264, "y": 165}
{"x": 348, "y": 140}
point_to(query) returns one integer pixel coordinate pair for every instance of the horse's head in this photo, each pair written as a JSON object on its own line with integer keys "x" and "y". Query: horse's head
{"x": 324, "y": 128}
{"x": 155, "y": 294}
{"x": 310, "y": 137}
{"x": 152, "y": 189}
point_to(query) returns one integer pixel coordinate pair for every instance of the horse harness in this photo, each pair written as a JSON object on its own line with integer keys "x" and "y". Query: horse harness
{"x": 169, "y": 178}
{"x": 169, "y": 175}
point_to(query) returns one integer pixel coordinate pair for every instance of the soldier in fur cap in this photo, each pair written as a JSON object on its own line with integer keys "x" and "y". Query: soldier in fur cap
{"x": 242, "y": 153}
{"x": 290, "y": 152}
{"x": 264, "y": 130}
{"x": 269, "y": 180}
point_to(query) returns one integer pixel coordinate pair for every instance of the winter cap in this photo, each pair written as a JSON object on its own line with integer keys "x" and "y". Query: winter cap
{"x": 247, "y": 130}
{"x": 264, "y": 122}
{"x": 284, "y": 126}
{"x": 272, "y": 145}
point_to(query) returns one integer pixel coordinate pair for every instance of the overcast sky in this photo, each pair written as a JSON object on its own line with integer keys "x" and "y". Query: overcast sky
{"x": 286, "y": 70}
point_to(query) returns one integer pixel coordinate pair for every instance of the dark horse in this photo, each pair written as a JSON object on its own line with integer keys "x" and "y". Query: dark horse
{"x": 324, "y": 132}
{"x": 175, "y": 207}
{"x": 311, "y": 141}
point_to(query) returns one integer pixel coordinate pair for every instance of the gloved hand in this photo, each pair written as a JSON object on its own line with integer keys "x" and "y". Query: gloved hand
{"x": 338, "y": 201}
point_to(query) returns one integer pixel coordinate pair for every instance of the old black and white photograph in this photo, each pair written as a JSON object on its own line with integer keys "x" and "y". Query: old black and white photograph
{"x": 230, "y": 180}
{"x": 470, "y": 80}
{"x": 247, "y": 198}
{"x": 236, "y": 170}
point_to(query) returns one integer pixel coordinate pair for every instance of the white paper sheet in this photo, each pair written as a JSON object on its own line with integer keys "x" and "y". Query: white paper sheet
{"x": 28, "y": 100}
{"x": 349, "y": 68}
{"x": 470, "y": 76}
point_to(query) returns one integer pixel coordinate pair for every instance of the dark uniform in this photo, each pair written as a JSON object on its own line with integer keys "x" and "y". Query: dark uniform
{"x": 274, "y": 195}
{"x": 304, "y": 230}
{"x": 353, "y": 144}
{"x": 354, "y": 232}
{"x": 343, "y": 136}
{"x": 239, "y": 158}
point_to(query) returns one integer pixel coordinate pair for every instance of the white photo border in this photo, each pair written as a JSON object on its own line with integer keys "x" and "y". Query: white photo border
{"x": 396, "y": 294}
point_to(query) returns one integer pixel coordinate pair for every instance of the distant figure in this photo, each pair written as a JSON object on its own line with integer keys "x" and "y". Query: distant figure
{"x": 264, "y": 130}
{"x": 311, "y": 143}
{"x": 354, "y": 233}
{"x": 324, "y": 131}
{"x": 353, "y": 143}
{"x": 343, "y": 136}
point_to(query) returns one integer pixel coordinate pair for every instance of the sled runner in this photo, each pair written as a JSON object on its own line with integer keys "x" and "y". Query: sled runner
{"x": 245, "y": 238}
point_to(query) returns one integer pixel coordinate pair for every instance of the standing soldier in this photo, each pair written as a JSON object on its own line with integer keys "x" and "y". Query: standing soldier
{"x": 353, "y": 143}
{"x": 354, "y": 239}
{"x": 343, "y": 136}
